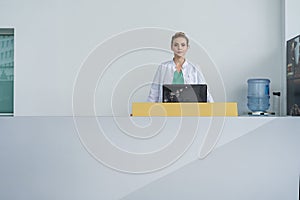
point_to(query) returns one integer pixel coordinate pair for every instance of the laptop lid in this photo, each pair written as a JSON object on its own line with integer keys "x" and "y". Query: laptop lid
{"x": 184, "y": 93}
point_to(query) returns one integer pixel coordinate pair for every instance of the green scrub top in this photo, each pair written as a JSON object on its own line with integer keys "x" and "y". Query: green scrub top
{"x": 178, "y": 78}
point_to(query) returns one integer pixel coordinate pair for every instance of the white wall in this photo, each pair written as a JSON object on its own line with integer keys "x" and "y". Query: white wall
{"x": 292, "y": 16}
{"x": 53, "y": 39}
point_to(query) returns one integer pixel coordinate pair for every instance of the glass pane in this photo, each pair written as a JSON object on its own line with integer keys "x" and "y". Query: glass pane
{"x": 6, "y": 73}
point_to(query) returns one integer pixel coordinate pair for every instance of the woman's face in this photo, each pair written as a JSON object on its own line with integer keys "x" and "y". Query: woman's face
{"x": 179, "y": 46}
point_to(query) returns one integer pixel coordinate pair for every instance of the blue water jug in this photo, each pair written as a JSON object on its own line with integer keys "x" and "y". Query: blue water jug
{"x": 258, "y": 94}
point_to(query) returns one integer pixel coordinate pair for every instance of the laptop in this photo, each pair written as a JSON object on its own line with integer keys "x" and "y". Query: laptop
{"x": 184, "y": 93}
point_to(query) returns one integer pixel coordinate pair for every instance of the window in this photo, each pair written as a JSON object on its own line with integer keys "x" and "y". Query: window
{"x": 6, "y": 71}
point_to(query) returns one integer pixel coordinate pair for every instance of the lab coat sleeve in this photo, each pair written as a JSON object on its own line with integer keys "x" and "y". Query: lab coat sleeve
{"x": 201, "y": 79}
{"x": 209, "y": 97}
{"x": 155, "y": 89}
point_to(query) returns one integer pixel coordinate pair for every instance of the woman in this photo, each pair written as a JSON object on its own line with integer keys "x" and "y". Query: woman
{"x": 176, "y": 71}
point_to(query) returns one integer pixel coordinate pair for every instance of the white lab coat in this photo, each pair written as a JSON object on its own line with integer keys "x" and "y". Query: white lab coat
{"x": 165, "y": 73}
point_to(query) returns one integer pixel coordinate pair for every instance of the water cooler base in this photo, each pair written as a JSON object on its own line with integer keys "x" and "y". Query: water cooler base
{"x": 261, "y": 113}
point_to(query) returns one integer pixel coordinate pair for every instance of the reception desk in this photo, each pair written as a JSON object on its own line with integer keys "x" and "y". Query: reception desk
{"x": 45, "y": 158}
{"x": 184, "y": 109}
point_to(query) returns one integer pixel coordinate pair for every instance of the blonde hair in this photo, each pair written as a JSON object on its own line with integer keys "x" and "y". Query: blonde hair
{"x": 180, "y": 34}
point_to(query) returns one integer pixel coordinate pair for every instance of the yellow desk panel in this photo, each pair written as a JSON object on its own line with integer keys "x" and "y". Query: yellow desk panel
{"x": 184, "y": 109}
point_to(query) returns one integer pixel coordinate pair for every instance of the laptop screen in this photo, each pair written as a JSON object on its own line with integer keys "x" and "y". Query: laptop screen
{"x": 184, "y": 93}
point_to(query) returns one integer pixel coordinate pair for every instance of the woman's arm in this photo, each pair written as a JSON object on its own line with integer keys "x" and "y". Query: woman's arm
{"x": 155, "y": 87}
